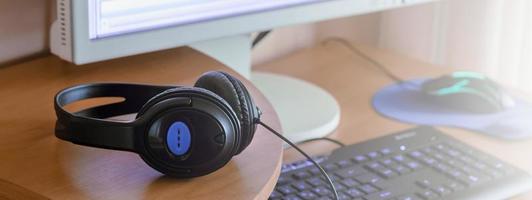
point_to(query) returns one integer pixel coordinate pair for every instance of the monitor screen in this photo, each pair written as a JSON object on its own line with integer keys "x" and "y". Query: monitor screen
{"x": 117, "y": 17}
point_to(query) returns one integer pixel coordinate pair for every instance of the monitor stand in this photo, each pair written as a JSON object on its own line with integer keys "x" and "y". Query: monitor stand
{"x": 306, "y": 111}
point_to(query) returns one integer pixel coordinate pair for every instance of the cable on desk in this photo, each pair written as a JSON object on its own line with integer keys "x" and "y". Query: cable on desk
{"x": 323, "y": 138}
{"x": 357, "y": 51}
{"x": 322, "y": 171}
{"x": 259, "y": 38}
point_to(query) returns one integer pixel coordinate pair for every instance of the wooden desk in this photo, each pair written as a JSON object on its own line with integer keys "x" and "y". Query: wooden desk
{"x": 36, "y": 165}
{"x": 353, "y": 80}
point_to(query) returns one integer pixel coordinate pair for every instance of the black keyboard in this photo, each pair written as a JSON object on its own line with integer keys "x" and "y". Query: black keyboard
{"x": 420, "y": 163}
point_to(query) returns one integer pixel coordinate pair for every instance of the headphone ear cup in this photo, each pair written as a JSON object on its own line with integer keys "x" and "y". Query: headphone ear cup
{"x": 206, "y": 117}
{"x": 235, "y": 93}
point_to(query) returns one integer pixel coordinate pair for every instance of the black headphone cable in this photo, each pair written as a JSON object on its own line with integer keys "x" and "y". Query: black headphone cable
{"x": 322, "y": 171}
{"x": 322, "y": 139}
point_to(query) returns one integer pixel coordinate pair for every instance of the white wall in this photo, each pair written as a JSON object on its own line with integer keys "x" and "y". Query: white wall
{"x": 490, "y": 36}
{"x": 410, "y": 31}
{"x": 452, "y": 32}
{"x": 23, "y": 29}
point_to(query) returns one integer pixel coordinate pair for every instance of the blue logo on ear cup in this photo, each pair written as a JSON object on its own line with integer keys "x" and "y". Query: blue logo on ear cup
{"x": 178, "y": 138}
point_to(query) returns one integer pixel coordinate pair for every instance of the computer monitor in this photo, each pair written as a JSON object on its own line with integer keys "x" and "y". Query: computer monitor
{"x": 94, "y": 30}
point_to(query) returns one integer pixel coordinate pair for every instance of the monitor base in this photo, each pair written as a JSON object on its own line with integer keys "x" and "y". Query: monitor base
{"x": 305, "y": 110}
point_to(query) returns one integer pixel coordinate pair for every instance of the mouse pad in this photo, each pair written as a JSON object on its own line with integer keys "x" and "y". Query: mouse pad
{"x": 406, "y": 102}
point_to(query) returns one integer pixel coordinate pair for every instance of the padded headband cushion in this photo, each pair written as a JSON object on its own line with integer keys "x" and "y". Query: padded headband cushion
{"x": 234, "y": 93}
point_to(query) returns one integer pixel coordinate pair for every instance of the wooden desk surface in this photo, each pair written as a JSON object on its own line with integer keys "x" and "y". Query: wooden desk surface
{"x": 34, "y": 164}
{"x": 352, "y": 80}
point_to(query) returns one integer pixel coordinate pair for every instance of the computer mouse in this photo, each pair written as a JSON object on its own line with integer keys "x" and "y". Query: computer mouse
{"x": 467, "y": 91}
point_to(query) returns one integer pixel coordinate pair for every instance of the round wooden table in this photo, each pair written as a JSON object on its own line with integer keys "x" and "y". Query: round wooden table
{"x": 35, "y": 164}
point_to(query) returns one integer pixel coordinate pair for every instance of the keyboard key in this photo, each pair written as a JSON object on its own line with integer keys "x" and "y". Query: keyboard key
{"x": 465, "y": 159}
{"x": 360, "y": 159}
{"x": 407, "y": 197}
{"x": 379, "y": 195}
{"x": 480, "y": 166}
{"x": 349, "y": 183}
{"x": 413, "y": 165}
{"x": 385, "y": 172}
{"x": 314, "y": 171}
{"x": 315, "y": 181}
{"x": 388, "y": 162}
{"x": 386, "y": 151}
{"x": 344, "y": 163}
{"x": 425, "y": 183}
{"x": 441, "y": 147}
{"x": 401, "y": 169}
{"x": 307, "y": 195}
{"x": 291, "y": 197}
{"x": 455, "y": 173}
{"x": 367, "y": 178}
{"x": 334, "y": 177}
{"x": 350, "y": 172}
{"x": 322, "y": 191}
{"x": 429, "y": 161}
{"x": 399, "y": 158}
{"x": 286, "y": 190}
{"x": 301, "y": 185}
{"x": 463, "y": 178}
{"x": 339, "y": 186}
{"x": 415, "y": 154}
{"x": 373, "y": 165}
{"x": 330, "y": 167}
{"x": 442, "y": 167}
{"x": 427, "y": 194}
{"x": 453, "y": 153}
{"x": 276, "y": 195}
{"x": 354, "y": 193}
{"x": 455, "y": 163}
{"x": 441, "y": 157}
{"x": 454, "y": 186}
{"x": 325, "y": 198}
{"x": 344, "y": 196}
{"x": 474, "y": 179}
{"x": 441, "y": 190}
{"x": 301, "y": 175}
{"x": 368, "y": 189}
{"x": 374, "y": 155}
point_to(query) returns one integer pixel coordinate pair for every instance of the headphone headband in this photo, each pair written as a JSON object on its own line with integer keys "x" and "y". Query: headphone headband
{"x": 89, "y": 127}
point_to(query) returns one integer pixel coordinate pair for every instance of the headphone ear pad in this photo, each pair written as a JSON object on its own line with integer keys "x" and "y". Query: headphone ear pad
{"x": 236, "y": 94}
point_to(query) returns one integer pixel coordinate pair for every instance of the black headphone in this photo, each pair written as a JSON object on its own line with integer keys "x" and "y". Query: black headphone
{"x": 179, "y": 131}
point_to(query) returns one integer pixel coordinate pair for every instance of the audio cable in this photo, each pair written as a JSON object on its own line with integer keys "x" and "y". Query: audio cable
{"x": 395, "y": 78}
{"x": 259, "y": 38}
{"x": 322, "y": 171}
{"x": 322, "y": 138}
{"x": 375, "y": 63}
